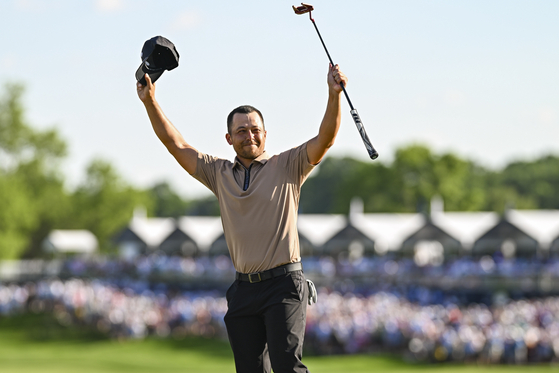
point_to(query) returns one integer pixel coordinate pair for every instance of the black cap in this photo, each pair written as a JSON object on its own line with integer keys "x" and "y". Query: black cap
{"x": 158, "y": 55}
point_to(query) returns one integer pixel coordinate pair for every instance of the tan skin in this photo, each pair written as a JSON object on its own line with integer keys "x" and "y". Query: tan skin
{"x": 248, "y": 136}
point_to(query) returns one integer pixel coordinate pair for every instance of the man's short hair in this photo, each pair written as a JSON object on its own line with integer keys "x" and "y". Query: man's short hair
{"x": 244, "y": 109}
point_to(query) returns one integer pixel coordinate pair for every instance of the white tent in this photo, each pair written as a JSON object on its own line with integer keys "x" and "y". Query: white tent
{"x": 543, "y": 225}
{"x": 466, "y": 226}
{"x": 152, "y": 231}
{"x": 388, "y": 230}
{"x": 204, "y": 230}
{"x": 319, "y": 228}
{"x": 144, "y": 234}
{"x": 70, "y": 241}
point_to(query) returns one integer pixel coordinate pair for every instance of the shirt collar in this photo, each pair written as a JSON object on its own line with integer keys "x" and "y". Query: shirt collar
{"x": 262, "y": 159}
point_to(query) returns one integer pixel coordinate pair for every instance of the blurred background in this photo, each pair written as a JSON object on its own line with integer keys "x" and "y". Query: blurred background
{"x": 444, "y": 249}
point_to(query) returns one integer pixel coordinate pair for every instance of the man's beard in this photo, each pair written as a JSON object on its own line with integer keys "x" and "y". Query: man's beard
{"x": 250, "y": 153}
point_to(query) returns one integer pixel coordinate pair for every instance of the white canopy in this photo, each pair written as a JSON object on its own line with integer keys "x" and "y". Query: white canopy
{"x": 152, "y": 230}
{"x": 542, "y": 225}
{"x": 204, "y": 230}
{"x": 466, "y": 226}
{"x": 387, "y": 230}
{"x": 70, "y": 241}
{"x": 320, "y": 228}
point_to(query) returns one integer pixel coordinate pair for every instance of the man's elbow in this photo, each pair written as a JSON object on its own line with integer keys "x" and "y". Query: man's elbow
{"x": 318, "y": 153}
{"x": 174, "y": 147}
{"x": 328, "y": 143}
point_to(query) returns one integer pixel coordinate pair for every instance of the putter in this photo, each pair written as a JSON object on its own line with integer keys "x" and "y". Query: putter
{"x": 307, "y": 8}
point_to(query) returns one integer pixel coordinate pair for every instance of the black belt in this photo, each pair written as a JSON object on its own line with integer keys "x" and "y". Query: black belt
{"x": 270, "y": 273}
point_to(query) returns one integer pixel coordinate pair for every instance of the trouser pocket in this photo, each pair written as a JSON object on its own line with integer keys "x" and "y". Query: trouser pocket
{"x": 299, "y": 284}
{"x": 231, "y": 291}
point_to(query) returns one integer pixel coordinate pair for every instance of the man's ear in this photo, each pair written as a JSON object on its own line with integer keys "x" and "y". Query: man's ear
{"x": 228, "y": 138}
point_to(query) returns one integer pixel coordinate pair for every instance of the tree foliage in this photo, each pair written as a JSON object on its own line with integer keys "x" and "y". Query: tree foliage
{"x": 104, "y": 203}
{"x": 33, "y": 198}
{"x": 535, "y": 183}
{"x": 17, "y": 220}
{"x": 417, "y": 175}
{"x": 167, "y": 203}
{"x": 32, "y": 192}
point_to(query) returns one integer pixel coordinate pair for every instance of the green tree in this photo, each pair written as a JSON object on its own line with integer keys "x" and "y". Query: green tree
{"x": 32, "y": 193}
{"x": 419, "y": 175}
{"x": 105, "y": 204}
{"x": 535, "y": 183}
{"x": 167, "y": 203}
{"x": 406, "y": 185}
{"x": 51, "y": 204}
{"x": 17, "y": 219}
{"x": 374, "y": 183}
{"x": 205, "y": 206}
{"x": 414, "y": 168}
{"x": 460, "y": 183}
{"x": 325, "y": 191}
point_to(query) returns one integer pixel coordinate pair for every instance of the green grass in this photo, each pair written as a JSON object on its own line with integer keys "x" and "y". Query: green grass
{"x": 37, "y": 343}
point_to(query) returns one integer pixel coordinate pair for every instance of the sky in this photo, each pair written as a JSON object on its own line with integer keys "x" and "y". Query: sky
{"x": 478, "y": 78}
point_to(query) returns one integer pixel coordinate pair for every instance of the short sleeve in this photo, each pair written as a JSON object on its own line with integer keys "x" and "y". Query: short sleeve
{"x": 297, "y": 163}
{"x": 205, "y": 173}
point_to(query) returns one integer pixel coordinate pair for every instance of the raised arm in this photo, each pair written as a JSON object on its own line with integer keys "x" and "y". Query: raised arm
{"x": 185, "y": 154}
{"x": 319, "y": 145}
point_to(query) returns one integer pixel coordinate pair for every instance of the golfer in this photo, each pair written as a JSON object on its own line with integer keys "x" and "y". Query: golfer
{"x": 258, "y": 195}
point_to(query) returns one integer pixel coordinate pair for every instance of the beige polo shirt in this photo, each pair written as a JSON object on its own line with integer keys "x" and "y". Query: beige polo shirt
{"x": 260, "y": 223}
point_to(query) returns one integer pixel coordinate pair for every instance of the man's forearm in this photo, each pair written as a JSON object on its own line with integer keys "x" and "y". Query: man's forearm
{"x": 185, "y": 154}
{"x": 167, "y": 133}
{"x": 163, "y": 128}
{"x": 319, "y": 145}
{"x": 331, "y": 121}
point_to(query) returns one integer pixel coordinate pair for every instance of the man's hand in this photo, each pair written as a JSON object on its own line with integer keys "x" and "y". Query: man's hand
{"x": 146, "y": 93}
{"x": 335, "y": 77}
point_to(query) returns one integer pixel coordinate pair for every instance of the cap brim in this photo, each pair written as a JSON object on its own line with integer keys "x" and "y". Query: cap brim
{"x": 153, "y": 74}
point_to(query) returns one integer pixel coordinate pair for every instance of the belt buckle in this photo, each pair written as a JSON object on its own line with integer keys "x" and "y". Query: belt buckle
{"x": 254, "y": 274}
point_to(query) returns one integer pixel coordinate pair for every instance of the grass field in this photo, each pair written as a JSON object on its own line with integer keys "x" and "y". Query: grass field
{"x": 37, "y": 343}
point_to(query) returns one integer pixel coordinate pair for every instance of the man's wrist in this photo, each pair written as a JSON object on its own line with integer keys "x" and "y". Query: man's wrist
{"x": 150, "y": 102}
{"x": 334, "y": 95}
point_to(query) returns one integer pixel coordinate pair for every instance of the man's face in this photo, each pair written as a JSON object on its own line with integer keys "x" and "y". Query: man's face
{"x": 247, "y": 136}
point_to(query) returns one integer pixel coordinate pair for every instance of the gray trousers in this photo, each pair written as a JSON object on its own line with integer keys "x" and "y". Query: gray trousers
{"x": 266, "y": 324}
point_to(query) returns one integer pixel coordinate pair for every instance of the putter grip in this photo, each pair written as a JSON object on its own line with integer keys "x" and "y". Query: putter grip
{"x": 372, "y": 152}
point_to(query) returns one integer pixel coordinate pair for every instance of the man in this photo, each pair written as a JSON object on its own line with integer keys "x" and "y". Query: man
{"x": 258, "y": 196}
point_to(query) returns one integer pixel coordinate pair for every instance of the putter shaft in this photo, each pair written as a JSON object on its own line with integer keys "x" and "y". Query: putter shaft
{"x": 373, "y": 154}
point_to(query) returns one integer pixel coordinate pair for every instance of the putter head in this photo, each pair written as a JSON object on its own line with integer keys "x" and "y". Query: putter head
{"x": 304, "y": 8}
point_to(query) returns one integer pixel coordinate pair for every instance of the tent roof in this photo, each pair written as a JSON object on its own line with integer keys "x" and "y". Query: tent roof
{"x": 431, "y": 232}
{"x": 152, "y": 230}
{"x": 204, "y": 230}
{"x": 81, "y": 241}
{"x": 319, "y": 228}
{"x": 388, "y": 230}
{"x": 543, "y": 225}
{"x": 466, "y": 227}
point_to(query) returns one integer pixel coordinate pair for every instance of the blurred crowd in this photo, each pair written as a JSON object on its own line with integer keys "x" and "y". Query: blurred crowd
{"x": 220, "y": 268}
{"x": 505, "y": 332}
{"x": 133, "y": 311}
{"x": 437, "y": 328}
